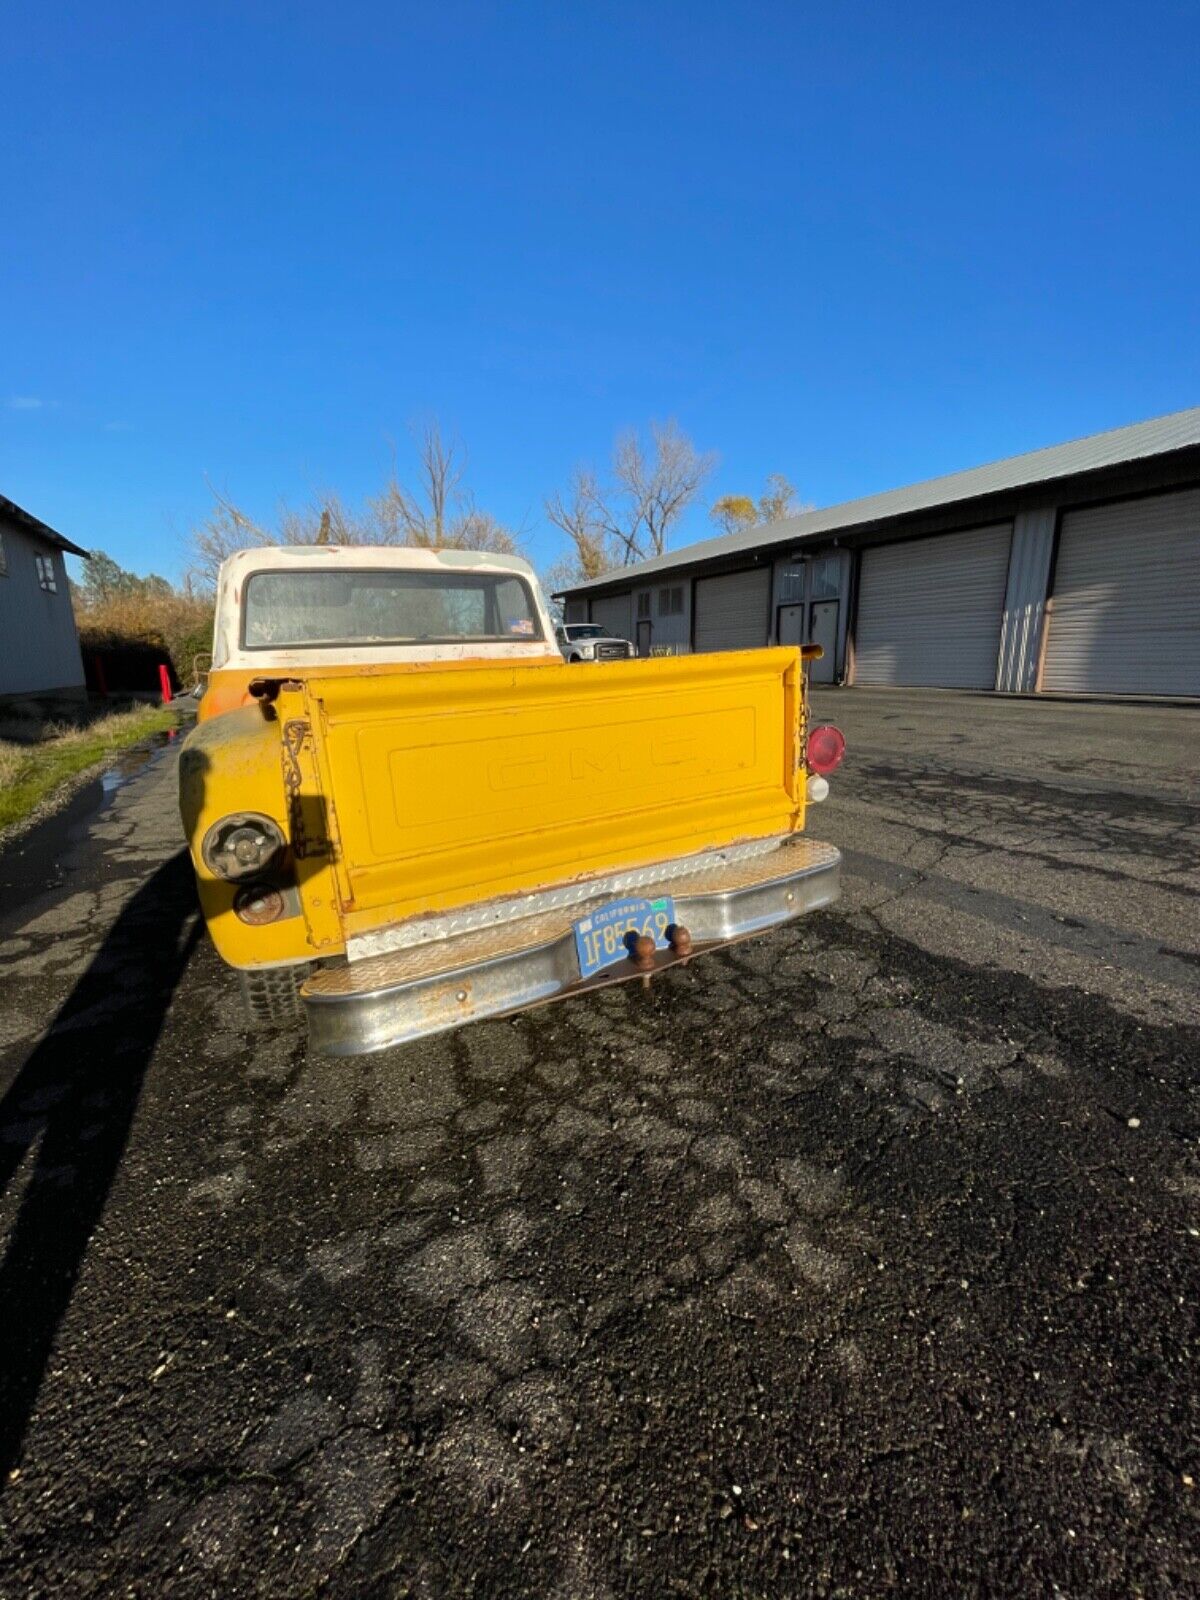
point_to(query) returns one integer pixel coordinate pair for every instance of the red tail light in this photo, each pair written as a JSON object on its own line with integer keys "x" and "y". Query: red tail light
{"x": 826, "y": 747}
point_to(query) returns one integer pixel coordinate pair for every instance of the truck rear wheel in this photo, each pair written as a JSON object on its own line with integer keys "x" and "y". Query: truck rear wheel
{"x": 271, "y": 996}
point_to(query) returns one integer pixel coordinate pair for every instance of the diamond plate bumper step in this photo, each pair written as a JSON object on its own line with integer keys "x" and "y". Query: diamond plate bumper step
{"x": 442, "y": 983}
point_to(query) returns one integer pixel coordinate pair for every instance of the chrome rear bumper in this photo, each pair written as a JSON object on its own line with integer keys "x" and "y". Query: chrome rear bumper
{"x": 439, "y": 984}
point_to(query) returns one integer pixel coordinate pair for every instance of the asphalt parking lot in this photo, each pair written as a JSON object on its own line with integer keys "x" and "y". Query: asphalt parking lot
{"x": 860, "y": 1259}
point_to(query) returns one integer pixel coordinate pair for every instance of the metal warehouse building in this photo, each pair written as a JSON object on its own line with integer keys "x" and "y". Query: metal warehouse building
{"x": 1074, "y": 569}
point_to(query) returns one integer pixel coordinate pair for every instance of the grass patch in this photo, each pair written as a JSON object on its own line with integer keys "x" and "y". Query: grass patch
{"x": 31, "y": 769}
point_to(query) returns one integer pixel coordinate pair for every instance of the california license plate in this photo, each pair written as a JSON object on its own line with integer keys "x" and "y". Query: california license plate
{"x": 606, "y": 936}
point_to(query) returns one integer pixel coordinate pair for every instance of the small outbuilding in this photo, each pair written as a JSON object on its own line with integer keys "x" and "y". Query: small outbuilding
{"x": 39, "y": 645}
{"x": 1073, "y": 569}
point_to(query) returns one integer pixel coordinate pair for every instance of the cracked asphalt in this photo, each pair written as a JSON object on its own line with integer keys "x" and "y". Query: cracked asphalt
{"x": 862, "y": 1258}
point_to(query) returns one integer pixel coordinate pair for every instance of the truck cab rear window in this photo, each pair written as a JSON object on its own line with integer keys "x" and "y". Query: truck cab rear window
{"x": 292, "y": 610}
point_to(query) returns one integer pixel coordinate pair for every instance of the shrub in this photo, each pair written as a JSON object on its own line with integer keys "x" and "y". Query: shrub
{"x": 171, "y": 622}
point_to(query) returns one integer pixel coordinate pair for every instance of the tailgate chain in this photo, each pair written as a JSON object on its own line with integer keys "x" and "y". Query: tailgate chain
{"x": 294, "y": 734}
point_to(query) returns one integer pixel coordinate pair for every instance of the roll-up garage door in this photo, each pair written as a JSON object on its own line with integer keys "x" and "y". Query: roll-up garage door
{"x": 615, "y": 612}
{"x": 732, "y": 612}
{"x": 929, "y": 610}
{"x": 1125, "y": 608}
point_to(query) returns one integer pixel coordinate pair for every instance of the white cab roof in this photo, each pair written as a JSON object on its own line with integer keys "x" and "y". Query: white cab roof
{"x": 227, "y": 650}
{"x": 273, "y": 557}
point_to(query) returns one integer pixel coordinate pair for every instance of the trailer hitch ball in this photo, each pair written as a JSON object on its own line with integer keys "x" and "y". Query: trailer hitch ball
{"x": 642, "y": 953}
{"x": 679, "y": 939}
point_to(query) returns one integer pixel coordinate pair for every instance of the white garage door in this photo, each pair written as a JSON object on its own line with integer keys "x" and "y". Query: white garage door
{"x": 929, "y": 610}
{"x": 615, "y": 612}
{"x": 1125, "y": 611}
{"x": 732, "y": 612}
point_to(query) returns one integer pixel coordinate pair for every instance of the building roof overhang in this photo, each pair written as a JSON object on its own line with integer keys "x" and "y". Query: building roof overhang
{"x": 28, "y": 523}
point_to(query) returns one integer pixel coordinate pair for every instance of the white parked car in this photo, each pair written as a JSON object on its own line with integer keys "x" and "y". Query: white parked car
{"x": 590, "y": 641}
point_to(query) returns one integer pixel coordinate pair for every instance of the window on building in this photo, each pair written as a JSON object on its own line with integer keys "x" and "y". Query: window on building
{"x": 3, "y": 558}
{"x": 825, "y": 574}
{"x": 643, "y": 604}
{"x": 670, "y": 601}
{"x": 45, "y": 573}
{"x": 791, "y": 585}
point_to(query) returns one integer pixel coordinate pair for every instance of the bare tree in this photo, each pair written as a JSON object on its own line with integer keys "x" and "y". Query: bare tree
{"x": 439, "y": 515}
{"x": 778, "y": 500}
{"x": 326, "y": 519}
{"x": 582, "y": 516}
{"x": 224, "y": 530}
{"x": 656, "y": 488}
{"x": 561, "y": 574}
{"x": 632, "y": 516}
{"x": 735, "y": 512}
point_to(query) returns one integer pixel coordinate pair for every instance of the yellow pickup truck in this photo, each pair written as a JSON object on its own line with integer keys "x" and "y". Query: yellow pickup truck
{"x": 407, "y": 812}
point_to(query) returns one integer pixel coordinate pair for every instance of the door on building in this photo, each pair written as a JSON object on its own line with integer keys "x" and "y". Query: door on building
{"x": 929, "y": 610}
{"x": 1125, "y": 608}
{"x": 615, "y": 612}
{"x": 823, "y": 630}
{"x": 790, "y": 625}
{"x": 733, "y": 612}
{"x": 644, "y": 629}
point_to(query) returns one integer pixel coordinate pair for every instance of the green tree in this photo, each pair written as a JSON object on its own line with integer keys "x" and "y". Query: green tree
{"x": 105, "y": 579}
{"x": 733, "y": 512}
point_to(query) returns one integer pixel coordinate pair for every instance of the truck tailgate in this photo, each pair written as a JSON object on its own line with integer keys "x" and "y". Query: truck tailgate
{"x": 444, "y": 787}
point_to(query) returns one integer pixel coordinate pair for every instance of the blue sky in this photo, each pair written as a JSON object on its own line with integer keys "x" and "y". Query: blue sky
{"x": 859, "y": 244}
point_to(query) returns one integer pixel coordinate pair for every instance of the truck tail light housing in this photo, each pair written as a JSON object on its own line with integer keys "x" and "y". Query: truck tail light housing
{"x": 825, "y": 749}
{"x": 259, "y": 904}
{"x": 242, "y": 845}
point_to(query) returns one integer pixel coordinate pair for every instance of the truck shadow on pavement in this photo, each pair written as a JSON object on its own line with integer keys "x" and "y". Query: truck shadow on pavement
{"x": 75, "y": 1099}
